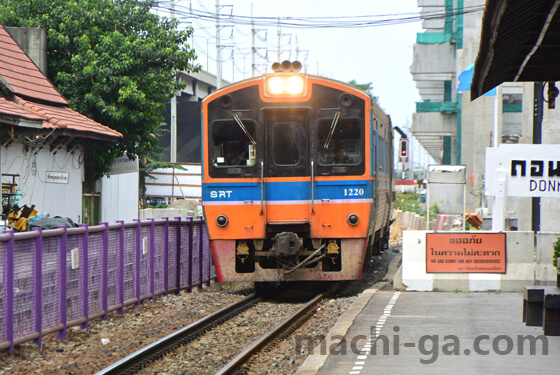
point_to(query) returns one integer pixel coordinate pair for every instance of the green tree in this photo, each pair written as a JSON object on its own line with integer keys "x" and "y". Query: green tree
{"x": 115, "y": 61}
{"x": 367, "y": 87}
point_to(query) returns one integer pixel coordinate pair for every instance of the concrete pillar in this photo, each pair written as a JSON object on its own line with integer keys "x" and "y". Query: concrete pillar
{"x": 33, "y": 41}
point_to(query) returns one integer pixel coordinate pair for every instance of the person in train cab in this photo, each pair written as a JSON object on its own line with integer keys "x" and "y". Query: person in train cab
{"x": 232, "y": 158}
{"x": 340, "y": 156}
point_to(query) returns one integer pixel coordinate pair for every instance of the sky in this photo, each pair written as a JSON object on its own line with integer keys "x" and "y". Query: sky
{"x": 381, "y": 55}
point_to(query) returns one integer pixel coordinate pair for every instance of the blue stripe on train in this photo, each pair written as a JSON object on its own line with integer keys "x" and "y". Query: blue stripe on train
{"x": 287, "y": 191}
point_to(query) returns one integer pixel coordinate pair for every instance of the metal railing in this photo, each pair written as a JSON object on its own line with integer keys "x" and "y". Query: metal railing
{"x": 55, "y": 279}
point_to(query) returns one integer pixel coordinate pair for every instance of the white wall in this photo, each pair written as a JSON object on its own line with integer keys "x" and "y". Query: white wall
{"x": 119, "y": 198}
{"x": 32, "y": 165}
{"x": 176, "y": 183}
{"x": 527, "y": 264}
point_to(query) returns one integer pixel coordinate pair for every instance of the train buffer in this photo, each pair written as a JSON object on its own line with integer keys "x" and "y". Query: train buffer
{"x": 541, "y": 307}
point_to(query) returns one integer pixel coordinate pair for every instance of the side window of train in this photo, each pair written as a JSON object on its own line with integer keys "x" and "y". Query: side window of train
{"x": 286, "y": 140}
{"x": 339, "y": 141}
{"x": 233, "y": 143}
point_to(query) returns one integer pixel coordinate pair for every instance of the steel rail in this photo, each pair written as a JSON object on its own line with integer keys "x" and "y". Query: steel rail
{"x": 134, "y": 361}
{"x": 235, "y": 365}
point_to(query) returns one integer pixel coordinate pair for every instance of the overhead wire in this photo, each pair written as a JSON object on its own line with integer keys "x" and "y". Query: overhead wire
{"x": 359, "y": 21}
{"x": 203, "y": 15}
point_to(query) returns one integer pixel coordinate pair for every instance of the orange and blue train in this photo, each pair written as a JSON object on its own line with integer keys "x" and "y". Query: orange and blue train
{"x": 297, "y": 178}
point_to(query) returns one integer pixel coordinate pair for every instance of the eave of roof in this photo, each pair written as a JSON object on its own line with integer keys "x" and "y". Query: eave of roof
{"x": 520, "y": 42}
{"x": 65, "y": 118}
{"x": 12, "y": 109}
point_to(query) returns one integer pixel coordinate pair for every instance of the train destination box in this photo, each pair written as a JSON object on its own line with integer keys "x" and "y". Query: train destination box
{"x": 458, "y": 252}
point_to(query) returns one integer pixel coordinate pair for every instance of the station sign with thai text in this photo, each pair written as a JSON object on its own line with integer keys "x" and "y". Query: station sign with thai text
{"x": 530, "y": 170}
{"x": 460, "y": 252}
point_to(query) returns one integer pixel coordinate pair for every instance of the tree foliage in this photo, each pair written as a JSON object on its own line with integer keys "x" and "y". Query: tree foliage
{"x": 367, "y": 87}
{"x": 114, "y": 61}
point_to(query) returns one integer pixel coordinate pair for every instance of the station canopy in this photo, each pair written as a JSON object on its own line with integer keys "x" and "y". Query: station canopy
{"x": 520, "y": 41}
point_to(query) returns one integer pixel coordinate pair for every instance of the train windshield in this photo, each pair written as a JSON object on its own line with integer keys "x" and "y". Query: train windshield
{"x": 340, "y": 142}
{"x": 233, "y": 143}
{"x": 286, "y": 139}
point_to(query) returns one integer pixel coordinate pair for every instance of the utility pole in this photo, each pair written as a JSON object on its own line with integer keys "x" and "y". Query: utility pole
{"x": 218, "y": 48}
{"x": 173, "y": 105}
{"x": 279, "y": 37}
{"x": 253, "y": 49}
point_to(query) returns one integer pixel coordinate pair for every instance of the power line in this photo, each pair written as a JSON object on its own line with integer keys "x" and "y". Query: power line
{"x": 360, "y": 21}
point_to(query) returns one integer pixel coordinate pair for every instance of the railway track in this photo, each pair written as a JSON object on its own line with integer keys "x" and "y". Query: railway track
{"x": 137, "y": 360}
{"x": 150, "y": 355}
{"x": 282, "y": 330}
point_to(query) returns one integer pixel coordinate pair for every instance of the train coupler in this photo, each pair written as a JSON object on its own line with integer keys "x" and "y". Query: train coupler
{"x": 286, "y": 244}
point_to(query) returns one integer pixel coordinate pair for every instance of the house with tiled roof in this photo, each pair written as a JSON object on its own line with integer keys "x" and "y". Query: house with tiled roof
{"x": 42, "y": 139}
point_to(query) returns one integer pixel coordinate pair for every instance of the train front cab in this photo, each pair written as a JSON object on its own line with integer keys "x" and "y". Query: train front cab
{"x": 284, "y": 208}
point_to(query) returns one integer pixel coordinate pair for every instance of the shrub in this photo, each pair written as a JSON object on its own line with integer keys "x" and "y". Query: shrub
{"x": 415, "y": 203}
{"x": 556, "y": 254}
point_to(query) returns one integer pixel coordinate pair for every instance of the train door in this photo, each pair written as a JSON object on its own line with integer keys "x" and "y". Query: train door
{"x": 287, "y": 191}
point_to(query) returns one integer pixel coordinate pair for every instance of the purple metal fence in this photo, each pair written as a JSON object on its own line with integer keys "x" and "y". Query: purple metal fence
{"x": 59, "y": 278}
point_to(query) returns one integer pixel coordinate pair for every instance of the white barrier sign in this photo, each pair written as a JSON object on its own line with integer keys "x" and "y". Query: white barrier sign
{"x": 531, "y": 170}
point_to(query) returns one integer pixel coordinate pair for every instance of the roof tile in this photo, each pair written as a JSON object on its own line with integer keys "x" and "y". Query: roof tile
{"x": 66, "y": 118}
{"x": 29, "y": 84}
{"x": 15, "y": 109}
{"x": 22, "y": 74}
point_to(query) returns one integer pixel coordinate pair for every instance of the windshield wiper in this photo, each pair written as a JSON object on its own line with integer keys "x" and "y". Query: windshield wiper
{"x": 331, "y": 131}
{"x": 240, "y": 123}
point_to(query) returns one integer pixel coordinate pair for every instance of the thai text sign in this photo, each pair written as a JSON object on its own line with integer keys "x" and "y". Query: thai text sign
{"x": 459, "y": 252}
{"x": 123, "y": 164}
{"x": 531, "y": 170}
{"x": 57, "y": 177}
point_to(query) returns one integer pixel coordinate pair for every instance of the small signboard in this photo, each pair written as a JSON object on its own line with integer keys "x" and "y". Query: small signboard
{"x": 446, "y": 174}
{"x": 459, "y": 252}
{"x": 123, "y": 164}
{"x": 57, "y": 177}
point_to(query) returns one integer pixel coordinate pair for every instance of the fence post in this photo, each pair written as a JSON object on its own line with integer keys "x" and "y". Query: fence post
{"x": 120, "y": 276}
{"x": 209, "y": 254}
{"x": 178, "y": 256}
{"x": 39, "y": 286}
{"x": 152, "y": 261}
{"x": 138, "y": 257}
{"x": 105, "y": 270}
{"x": 85, "y": 277}
{"x": 200, "y": 253}
{"x": 190, "y": 255}
{"x": 166, "y": 255}
{"x": 9, "y": 272}
{"x": 61, "y": 335}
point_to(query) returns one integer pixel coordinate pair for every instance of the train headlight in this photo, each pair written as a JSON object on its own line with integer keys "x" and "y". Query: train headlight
{"x": 222, "y": 220}
{"x": 353, "y": 219}
{"x": 275, "y": 85}
{"x": 281, "y": 84}
{"x": 294, "y": 85}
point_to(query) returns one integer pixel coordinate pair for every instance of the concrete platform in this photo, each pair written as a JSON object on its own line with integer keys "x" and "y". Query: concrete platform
{"x": 392, "y": 332}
